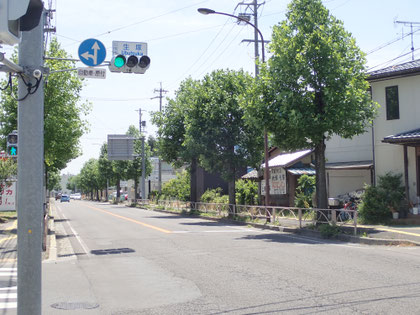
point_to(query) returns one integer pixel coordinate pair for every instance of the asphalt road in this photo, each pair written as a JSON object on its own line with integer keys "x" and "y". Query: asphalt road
{"x": 120, "y": 260}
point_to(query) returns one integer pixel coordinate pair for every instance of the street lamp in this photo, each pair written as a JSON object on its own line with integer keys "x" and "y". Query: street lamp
{"x": 206, "y": 11}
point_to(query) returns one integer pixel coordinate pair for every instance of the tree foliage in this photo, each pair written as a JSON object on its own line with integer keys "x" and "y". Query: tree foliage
{"x": 314, "y": 85}
{"x": 63, "y": 111}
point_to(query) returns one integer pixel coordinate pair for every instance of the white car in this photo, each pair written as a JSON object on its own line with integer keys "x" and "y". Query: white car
{"x": 77, "y": 196}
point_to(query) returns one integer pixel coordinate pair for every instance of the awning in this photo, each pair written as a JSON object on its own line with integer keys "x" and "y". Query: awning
{"x": 353, "y": 165}
{"x": 410, "y": 138}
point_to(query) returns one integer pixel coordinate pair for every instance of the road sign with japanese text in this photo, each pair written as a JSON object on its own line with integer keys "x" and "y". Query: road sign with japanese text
{"x": 91, "y": 73}
{"x": 129, "y": 48}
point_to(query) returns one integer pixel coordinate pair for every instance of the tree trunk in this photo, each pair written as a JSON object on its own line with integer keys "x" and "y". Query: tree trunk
{"x": 97, "y": 194}
{"x": 193, "y": 180}
{"x": 118, "y": 190}
{"x": 232, "y": 199}
{"x": 321, "y": 182}
{"x": 136, "y": 186}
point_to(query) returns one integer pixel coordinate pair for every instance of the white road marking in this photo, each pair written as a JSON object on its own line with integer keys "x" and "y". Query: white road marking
{"x": 8, "y": 295}
{"x": 81, "y": 242}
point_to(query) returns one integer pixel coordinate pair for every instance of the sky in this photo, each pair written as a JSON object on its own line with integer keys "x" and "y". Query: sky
{"x": 183, "y": 43}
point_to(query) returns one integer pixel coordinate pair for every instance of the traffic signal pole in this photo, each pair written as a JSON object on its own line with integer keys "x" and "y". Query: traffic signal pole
{"x": 30, "y": 193}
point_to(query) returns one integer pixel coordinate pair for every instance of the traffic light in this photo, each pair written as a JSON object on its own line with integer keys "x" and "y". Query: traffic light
{"x": 12, "y": 144}
{"x": 130, "y": 64}
{"x": 17, "y": 16}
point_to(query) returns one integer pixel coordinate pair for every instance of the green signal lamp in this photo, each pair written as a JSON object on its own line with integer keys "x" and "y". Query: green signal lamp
{"x": 119, "y": 61}
{"x": 13, "y": 151}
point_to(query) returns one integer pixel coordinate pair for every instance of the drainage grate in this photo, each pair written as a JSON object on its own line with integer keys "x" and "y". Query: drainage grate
{"x": 75, "y": 305}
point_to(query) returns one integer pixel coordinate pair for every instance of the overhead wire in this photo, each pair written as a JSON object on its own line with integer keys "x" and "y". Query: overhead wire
{"x": 149, "y": 19}
{"x": 221, "y": 53}
{"x": 203, "y": 53}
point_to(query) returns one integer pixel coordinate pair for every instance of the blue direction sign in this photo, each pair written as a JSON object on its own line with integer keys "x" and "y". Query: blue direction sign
{"x": 92, "y": 52}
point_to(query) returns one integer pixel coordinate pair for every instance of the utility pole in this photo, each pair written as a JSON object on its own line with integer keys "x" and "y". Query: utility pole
{"x": 143, "y": 162}
{"x": 160, "y": 91}
{"x": 406, "y": 23}
{"x": 254, "y": 6}
{"x": 30, "y": 190}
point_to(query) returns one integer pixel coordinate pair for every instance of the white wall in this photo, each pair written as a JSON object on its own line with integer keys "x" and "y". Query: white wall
{"x": 390, "y": 157}
{"x": 359, "y": 148}
{"x": 345, "y": 181}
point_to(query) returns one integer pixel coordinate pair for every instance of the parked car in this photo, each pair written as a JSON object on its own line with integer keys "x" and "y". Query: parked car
{"x": 58, "y": 196}
{"x": 65, "y": 198}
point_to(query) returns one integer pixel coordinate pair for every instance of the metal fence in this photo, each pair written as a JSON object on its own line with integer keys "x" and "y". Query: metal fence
{"x": 285, "y": 216}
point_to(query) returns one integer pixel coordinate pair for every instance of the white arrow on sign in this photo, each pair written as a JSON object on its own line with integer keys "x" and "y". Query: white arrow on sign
{"x": 95, "y": 48}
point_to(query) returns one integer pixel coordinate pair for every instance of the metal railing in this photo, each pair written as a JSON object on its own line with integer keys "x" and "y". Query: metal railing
{"x": 289, "y": 216}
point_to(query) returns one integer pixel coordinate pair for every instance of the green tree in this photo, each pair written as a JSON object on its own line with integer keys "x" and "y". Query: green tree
{"x": 73, "y": 183}
{"x": 177, "y": 188}
{"x": 227, "y": 141}
{"x": 134, "y": 167}
{"x": 89, "y": 178}
{"x": 314, "y": 85}
{"x": 54, "y": 179}
{"x": 63, "y": 112}
{"x": 171, "y": 122}
{"x": 106, "y": 174}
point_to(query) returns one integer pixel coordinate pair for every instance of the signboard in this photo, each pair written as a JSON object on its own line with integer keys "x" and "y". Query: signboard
{"x": 8, "y": 196}
{"x": 92, "y": 52}
{"x": 129, "y": 48}
{"x": 91, "y": 73}
{"x": 120, "y": 147}
{"x": 277, "y": 182}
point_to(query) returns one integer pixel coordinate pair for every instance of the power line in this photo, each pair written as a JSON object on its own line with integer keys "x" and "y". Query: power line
{"x": 149, "y": 19}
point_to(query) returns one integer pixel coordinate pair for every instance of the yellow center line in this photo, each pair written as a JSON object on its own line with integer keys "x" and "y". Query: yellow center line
{"x": 132, "y": 220}
{"x": 390, "y": 230}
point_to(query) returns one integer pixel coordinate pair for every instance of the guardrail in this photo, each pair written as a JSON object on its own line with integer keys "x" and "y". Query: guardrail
{"x": 291, "y": 216}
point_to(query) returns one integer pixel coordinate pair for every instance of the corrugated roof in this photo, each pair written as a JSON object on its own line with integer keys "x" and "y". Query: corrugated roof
{"x": 396, "y": 70}
{"x": 301, "y": 171}
{"x": 251, "y": 175}
{"x": 286, "y": 159}
{"x": 404, "y": 137}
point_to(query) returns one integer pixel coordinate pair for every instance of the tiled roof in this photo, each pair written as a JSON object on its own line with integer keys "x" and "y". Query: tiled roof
{"x": 396, "y": 70}
{"x": 404, "y": 137}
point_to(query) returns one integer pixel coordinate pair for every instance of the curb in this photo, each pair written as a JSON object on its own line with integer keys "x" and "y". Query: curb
{"x": 52, "y": 242}
{"x": 309, "y": 233}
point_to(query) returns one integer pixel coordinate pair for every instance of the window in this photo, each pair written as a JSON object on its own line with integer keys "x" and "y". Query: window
{"x": 392, "y": 104}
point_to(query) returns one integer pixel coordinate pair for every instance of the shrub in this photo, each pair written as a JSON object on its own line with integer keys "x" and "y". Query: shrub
{"x": 304, "y": 191}
{"x": 329, "y": 231}
{"x": 378, "y": 202}
{"x": 246, "y": 192}
{"x": 211, "y": 195}
{"x": 177, "y": 188}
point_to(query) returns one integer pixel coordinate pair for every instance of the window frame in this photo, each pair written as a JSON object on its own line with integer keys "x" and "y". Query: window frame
{"x": 391, "y": 112}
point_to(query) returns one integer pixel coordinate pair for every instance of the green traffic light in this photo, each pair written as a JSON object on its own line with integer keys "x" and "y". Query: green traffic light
{"x": 13, "y": 151}
{"x": 119, "y": 61}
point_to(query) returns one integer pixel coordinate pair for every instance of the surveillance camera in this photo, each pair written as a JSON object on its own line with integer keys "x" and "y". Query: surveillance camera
{"x": 37, "y": 73}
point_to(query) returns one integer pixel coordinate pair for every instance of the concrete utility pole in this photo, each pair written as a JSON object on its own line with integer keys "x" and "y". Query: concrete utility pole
{"x": 254, "y": 6}
{"x": 160, "y": 91}
{"x": 30, "y": 192}
{"x": 143, "y": 162}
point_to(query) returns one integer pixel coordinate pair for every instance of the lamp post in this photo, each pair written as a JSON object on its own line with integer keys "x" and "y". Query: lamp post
{"x": 206, "y": 11}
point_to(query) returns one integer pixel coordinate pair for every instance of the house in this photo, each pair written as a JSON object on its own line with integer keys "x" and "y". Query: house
{"x": 392, "y": 144}
{"x": 285, "y": 169}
